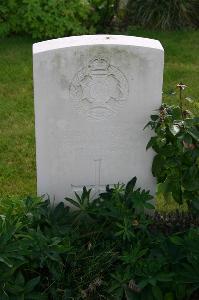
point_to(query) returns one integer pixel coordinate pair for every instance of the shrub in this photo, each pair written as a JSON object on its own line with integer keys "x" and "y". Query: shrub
{"x": 55, "y": 18}
{"x": 161, "y": 14}
{"x": 105, "y": 250}
{"x": 46, "y": 18}
{"x": 10, "y": 17}
{"x": 176, "y": 164}
{"x": 106, "y": 12}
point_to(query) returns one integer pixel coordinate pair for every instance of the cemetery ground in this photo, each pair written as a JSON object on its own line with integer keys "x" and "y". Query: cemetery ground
{"x": 108, "y": 248}
{"x": 17, "y": 143}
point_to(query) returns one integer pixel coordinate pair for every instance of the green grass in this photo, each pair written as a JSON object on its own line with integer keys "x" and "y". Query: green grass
{"x": 17, "y": 141}
{"x": 181, "y": 63}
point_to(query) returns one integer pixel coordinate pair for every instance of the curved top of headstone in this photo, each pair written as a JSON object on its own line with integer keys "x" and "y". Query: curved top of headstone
{"x": 104, "y": 39}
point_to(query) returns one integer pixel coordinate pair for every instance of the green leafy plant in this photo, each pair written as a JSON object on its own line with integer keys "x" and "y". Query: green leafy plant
{"x": 106, "y": 10}
{"x": 47, "y": 19}
{"x": 121, "y": 200}
{"x": 56, "y": 18}
{"x": 105, "y": 250}
{"x": 51, "y": 18}
{"x": 176, "y": 164}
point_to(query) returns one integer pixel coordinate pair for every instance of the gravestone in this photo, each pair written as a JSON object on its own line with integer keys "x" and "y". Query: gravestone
{"x": 93, "y": 96}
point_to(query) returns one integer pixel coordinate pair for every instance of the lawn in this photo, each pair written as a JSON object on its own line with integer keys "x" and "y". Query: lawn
{"x": 17, "y": 140}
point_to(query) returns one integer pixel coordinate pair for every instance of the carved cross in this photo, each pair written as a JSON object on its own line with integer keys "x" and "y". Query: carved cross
{"x": 97, "y": 187}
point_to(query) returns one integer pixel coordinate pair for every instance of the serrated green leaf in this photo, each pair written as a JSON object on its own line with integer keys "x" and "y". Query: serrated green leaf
{"x": 31, "y": 284}
{"x": 6, "y": 261}
{"x": 73, "y": 202}
{"x": 176, "y": 240}
{"x": 151, "y": 142}
{"x": 15, "y": 289}
{"x": 157, "y": 165}
{"x": 20, "y": 280}
{"x": 190, "y": 178}
{"x": 169, "y": 296}
{"x": 149, "y": 206}
{"x": 195, "y": 203}
{"x": 150, "y": 123}
{"x": 194, "y": 132}
{"x": 192, "y": 122}
{"x": 157, "y": 293}
{"x": 130, "y": 186}
{"x": 187, "y": 138}
{"x": 142, "y": 284}
{"x": 154, "y": 117}
{"x": 165, "y": 277}
{"x": 176, "y": 113}
{"x": 153, "y": 281}
{"x": 175, "y": 129}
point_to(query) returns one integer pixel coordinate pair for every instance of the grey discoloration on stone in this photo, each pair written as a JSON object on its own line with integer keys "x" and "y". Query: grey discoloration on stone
{"x": 93, "y": 96}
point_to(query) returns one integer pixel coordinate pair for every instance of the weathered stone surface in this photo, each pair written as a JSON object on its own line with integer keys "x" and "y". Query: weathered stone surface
{"x": 93, "y": 96}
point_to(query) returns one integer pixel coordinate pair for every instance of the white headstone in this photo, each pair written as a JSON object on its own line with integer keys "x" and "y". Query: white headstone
{"x": 93, "y": 96}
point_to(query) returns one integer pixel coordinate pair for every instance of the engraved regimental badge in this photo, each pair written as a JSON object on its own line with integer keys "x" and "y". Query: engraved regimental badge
{"x": 99, "y": 89}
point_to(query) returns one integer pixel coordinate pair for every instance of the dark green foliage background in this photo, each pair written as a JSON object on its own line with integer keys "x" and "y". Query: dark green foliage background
{"x": 52, "y": 18}
{"x": 161, "y": 14}
{"x": 44, "y": 19}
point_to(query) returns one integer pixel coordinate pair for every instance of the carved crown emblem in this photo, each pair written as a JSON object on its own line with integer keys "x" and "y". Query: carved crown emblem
{"x": 98, "y": 63}
{"x": 99, "y": 89}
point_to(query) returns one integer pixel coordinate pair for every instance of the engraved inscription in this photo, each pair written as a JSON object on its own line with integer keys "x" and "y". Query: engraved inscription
{"x": 99, "y": 89}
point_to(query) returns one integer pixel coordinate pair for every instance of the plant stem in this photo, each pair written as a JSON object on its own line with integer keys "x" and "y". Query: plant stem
{"x": 181, "y": 87}
{"x": 181, "y": 102}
